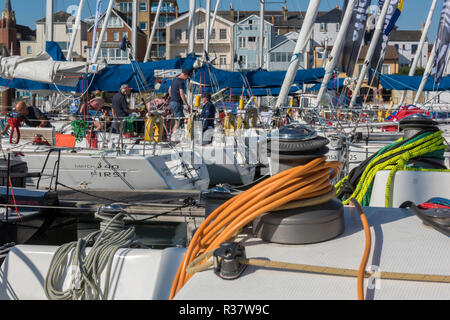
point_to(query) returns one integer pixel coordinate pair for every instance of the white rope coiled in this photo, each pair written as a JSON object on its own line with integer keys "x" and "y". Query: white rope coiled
{"x": 86, "y": 270}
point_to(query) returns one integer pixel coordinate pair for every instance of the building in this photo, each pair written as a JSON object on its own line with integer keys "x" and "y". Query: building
{"x": 221, "y": 44}
{"x": 118, "y": 27}
{"x": 280, "y": 55}
{"x": 146, "y": 15}
{"x": 407, "y": 42}
{"x": 246, "y": 40}
{"x": 62, "y": 34}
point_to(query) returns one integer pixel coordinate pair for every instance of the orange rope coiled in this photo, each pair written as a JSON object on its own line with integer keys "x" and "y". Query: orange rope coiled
{"x": 299, "y": 183}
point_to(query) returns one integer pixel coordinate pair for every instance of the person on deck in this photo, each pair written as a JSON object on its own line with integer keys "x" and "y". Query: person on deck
{"x": 32, "y": 116}
{"x": 208, "y": 116}
{"x": 178, "y": 98}
{"x": 120, "y": 108}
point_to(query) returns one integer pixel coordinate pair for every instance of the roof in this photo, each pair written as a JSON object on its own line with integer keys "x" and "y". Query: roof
{"x": 332, "y": 16}
{"x": 122, "y": 16}
{"x": 292, "y": 35}
{"x": 405, "y": 35}
{"x": 186, "y": 14}
{"x": 58, "y": 17}
{"x": 391, "y": 53}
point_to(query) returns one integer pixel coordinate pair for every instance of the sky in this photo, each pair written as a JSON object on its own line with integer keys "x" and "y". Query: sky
{"x": 414, "y": 11}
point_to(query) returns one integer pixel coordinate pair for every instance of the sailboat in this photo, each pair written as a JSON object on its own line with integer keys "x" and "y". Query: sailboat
{"x": 287, "y": 237}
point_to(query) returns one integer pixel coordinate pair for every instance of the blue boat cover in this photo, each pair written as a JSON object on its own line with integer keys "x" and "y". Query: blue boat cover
{"x": 54, "y": 50}
{"x": 253, "y": 79}
{"x": 110, "y": 79}
{"x": 334, "y": 84}
{"x": 399, "y": 82}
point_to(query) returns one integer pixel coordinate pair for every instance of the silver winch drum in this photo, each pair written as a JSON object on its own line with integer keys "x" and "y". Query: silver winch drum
{"x": 305, "y": 225}
{"x": 296, "y": 144}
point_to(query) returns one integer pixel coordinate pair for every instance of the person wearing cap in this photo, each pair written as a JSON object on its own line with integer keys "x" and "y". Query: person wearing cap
{"x": 120, "y": 108}
{"x": 207, "y": 117}
{"x": 178, "y": 98}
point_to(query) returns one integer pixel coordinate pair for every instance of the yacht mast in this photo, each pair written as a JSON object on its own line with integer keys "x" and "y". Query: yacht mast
{"x": 207, "y": 24}
{"x": 302, "y": 41}
{"x": 134, "y": 19}
{"x": 191, "y": 29}
{"x": 337, "y": 50}
{"x": 261, "y": 34}
{"x": 49, "y": 20}
{"x": 75, "y": 30}
{"x": 152, "y": 34}
{"x": 102, "y": 33}
{"x": 419, "y": 49}
{"x": 426, "y": 73}
{"x": 373, "y": 44}
{"x": 214, "y": 16}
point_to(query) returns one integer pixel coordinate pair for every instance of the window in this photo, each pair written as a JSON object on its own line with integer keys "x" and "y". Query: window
{"x": 68, "y": 29}
{"x": 323, "y": 27}
{"x": 143, "y": 25}
{"x": 223, "y": 34}
{"x": 116, "y": 36}
{"x": 186, "y": 34}
{"x": 242, "y": 42}
{"x": 200, "y": 34}
{"x": 114, "y": 22}
{"x": 414, "y": 48}
{"x": 338, "y": 26}
{"x": 319, "y": 55}
{"x": 124, "y": 35}
{"x": 142, "y": 6}
{"x": 126, "y": 6}
{"x": 404, "y": 47}
{"x": 223, "y": 60}
{"x": 396, "y": 46}
{"x": 63, "y": 45}
{"x": 178, "y": 33}
{"x": 29, "y": 50}
{"x": 250, "y": 24}
{"x": 386, "y": 69}
{"x": 213, "y": 34}
{"x": 251, "y": 39}
{"x": 243, "y": 61}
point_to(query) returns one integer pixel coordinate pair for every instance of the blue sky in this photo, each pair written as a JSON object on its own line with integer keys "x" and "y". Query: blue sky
{"x": 414, "y": 12}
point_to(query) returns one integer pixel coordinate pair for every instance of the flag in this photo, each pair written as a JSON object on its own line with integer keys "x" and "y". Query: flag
{"x": 123, "y": 45}
{"x": 376, "y": 63}
{"x": 394, "y": 18}
{"x": 354, "y": 37}
{"x": 442, "y": 44}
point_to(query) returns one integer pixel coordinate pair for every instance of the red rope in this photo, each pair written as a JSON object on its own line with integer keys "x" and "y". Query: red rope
{"x": 14, "y": 199}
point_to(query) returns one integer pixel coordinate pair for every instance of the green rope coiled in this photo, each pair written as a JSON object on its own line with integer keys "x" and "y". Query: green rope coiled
{"x": 394, "y": 158}
{"x": 79, "y": 129}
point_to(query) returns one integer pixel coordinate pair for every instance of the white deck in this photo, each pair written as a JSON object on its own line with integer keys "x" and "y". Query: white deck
{"x": 400, "y": 243}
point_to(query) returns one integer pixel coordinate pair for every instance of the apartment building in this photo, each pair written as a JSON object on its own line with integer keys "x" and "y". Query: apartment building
{"x": 62, "y": 33}
{"x": 221, "y": 45}
{"x": 146, "y": 14}
{"x": 118, "y": 27}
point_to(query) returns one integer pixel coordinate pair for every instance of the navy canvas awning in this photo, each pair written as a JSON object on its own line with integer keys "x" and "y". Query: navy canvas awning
{"x": 400, "y": 82}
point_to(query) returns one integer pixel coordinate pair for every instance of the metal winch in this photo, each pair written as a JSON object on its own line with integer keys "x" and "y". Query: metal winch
{"x": 298, "y": 144}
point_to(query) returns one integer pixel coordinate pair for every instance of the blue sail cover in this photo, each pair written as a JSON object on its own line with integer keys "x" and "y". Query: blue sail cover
{"x": 334, "y": 84}
{"x": 54, "y": 50}
{"x": 399, "y": 82}
{"x": 110, "y": 79}
{"x": 257, "y": 92}
{"x": 255, "y": 79}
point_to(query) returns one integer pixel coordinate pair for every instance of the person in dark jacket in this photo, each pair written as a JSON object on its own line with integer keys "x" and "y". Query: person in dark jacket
{"x": 120, "y": 108}
{"x": 208, "y": 116}
{"x": 178, "y": 98}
